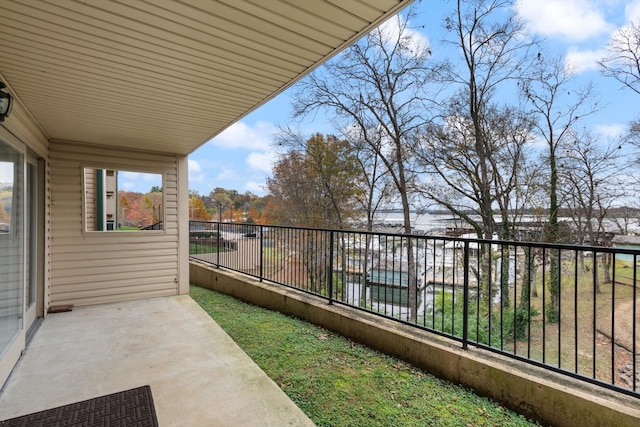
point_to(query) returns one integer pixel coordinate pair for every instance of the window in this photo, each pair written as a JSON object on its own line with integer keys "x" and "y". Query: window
{"x": 116, "y": 200}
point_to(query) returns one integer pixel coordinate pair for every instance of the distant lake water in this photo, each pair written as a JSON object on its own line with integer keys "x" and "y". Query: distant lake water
{"x": 433, "y": 223}
{"x": 427, "y": 222}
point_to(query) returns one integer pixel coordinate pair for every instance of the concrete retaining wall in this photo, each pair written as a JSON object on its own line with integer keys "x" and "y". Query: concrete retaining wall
{"x": 537, "y": 393}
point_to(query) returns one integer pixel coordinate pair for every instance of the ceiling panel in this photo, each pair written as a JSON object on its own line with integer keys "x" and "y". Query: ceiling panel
{"x": 166, "y": 75}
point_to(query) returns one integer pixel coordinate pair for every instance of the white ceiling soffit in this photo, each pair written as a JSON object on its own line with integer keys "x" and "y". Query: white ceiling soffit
{"x": 166, "y": 75}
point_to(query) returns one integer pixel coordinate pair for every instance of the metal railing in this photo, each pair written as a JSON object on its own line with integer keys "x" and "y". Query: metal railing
{"x": 571, "y": 309}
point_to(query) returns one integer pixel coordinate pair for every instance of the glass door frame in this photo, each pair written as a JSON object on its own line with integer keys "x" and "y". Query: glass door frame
{"x": 34, "y": 241}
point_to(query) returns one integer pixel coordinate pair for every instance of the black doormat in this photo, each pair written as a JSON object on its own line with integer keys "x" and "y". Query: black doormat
{"x": 129, "y": 408}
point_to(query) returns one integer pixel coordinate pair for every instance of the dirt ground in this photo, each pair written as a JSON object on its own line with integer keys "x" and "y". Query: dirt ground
{"x": 587, "y": 332}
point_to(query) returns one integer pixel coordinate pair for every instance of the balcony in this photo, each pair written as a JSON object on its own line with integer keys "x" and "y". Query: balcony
{"x": 198, "y": 375}
{"x": 358, "y": 284}
{"x": 472, "y": 303}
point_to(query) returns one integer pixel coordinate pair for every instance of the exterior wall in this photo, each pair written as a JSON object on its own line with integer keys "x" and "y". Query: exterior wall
{"x": 24, "y": 129}
{"x": 537, "y": 393}
{"x": 99, "y": 267}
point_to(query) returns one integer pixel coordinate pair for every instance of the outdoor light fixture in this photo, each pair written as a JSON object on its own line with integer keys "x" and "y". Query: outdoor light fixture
{"x": 6, "y": 102}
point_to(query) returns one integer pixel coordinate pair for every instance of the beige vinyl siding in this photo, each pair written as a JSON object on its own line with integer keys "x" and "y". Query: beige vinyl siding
{"x": 90, "y": 199}
{"x": 25, "y": 129}
{"x": 99, "y": 267}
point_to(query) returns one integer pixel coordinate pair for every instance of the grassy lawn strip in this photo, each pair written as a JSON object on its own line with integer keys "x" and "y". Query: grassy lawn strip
{"x": 337, "y": 382}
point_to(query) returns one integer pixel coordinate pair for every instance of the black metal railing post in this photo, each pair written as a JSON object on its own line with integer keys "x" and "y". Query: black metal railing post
{"x": 261, "y": 249}
{"x": 465, "y": 297}
{"x": 218, "y": 244}
{"x": 634, "y": 335}
{"x": 331, "y": 253}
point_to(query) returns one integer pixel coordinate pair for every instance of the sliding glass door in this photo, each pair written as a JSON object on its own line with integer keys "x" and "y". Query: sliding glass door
{"x": 12, "y": 245}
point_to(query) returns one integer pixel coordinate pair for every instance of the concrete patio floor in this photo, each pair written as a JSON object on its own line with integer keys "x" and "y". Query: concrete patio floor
{"x": 198, "y": 375}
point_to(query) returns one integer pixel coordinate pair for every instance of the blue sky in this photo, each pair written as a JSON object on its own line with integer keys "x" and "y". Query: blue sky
{"x": 241, "y": 157}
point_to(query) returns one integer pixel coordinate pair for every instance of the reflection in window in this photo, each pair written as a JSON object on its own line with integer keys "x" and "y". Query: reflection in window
{"x": 122, "y": 200}
{"x": 6, "y": 195}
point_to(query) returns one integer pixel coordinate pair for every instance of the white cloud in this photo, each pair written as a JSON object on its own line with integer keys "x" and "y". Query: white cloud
{"x": 255, "y": 187}
{"x": 575, "y": 20}
{"x": 579, "y": 61}
{"x": 538, "y": 142}
{"x": 194, "y": 166}
{"x": 241, "y": 136}
{"x": 390, "y": 31}
{"x": 261, "y": 161}
{"x": 632, "y": 12}
{"x": 258, "y": 141}
{"x": 224, "y": 174}
{"x": 612, "y": 131}
{"x": 195, "y": 172}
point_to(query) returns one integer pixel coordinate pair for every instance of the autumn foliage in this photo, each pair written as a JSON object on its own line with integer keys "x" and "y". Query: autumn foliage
{"x": 140, "y": 208}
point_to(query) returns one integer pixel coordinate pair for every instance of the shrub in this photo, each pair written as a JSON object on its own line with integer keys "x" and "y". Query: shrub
{"x": 505, "y": 327}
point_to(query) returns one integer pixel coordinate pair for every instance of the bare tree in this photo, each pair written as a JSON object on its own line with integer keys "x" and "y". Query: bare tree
{"x": 379, "y": 87}
{"x": 623, "y": 64}
{"x": 633, "y": 136}
{"x": 494, "y": 51}
{"x": 476, "y": 152}
{"x": 590, "y": 170}
{"x": 377, "y": 185}
{"x": 623, "y": 61}
{"x": 448, "y": 154}
{"x": 628, "y": 215}
{"x": 556, "y": 106}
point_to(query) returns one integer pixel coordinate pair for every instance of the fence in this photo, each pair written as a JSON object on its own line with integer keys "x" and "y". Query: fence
{"x": 571, "y": 309}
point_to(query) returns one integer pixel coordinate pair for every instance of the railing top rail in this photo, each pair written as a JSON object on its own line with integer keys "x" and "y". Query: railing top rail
{"x": 425, "y": 237}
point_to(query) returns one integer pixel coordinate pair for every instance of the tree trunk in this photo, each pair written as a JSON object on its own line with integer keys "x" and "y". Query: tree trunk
{"x": 528, "y": 274}
{"x": 504, "y": 264}
{"x": 363, "y": 270}
{"x": 607, "y": 262}
{"x": 504, "y": 276}
{"x": 554, "y": 274}
{"x": 553, "y": 307}
{"x": 534, "y": 272}
{"x": 484, "y": 284}
{"x": 411, "y": 266}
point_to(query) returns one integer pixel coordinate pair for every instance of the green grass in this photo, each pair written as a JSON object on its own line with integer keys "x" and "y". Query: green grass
{"x": 197, "y": 249}
{"x": 203, "y": 249}
{"x": 337, "y": 382}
